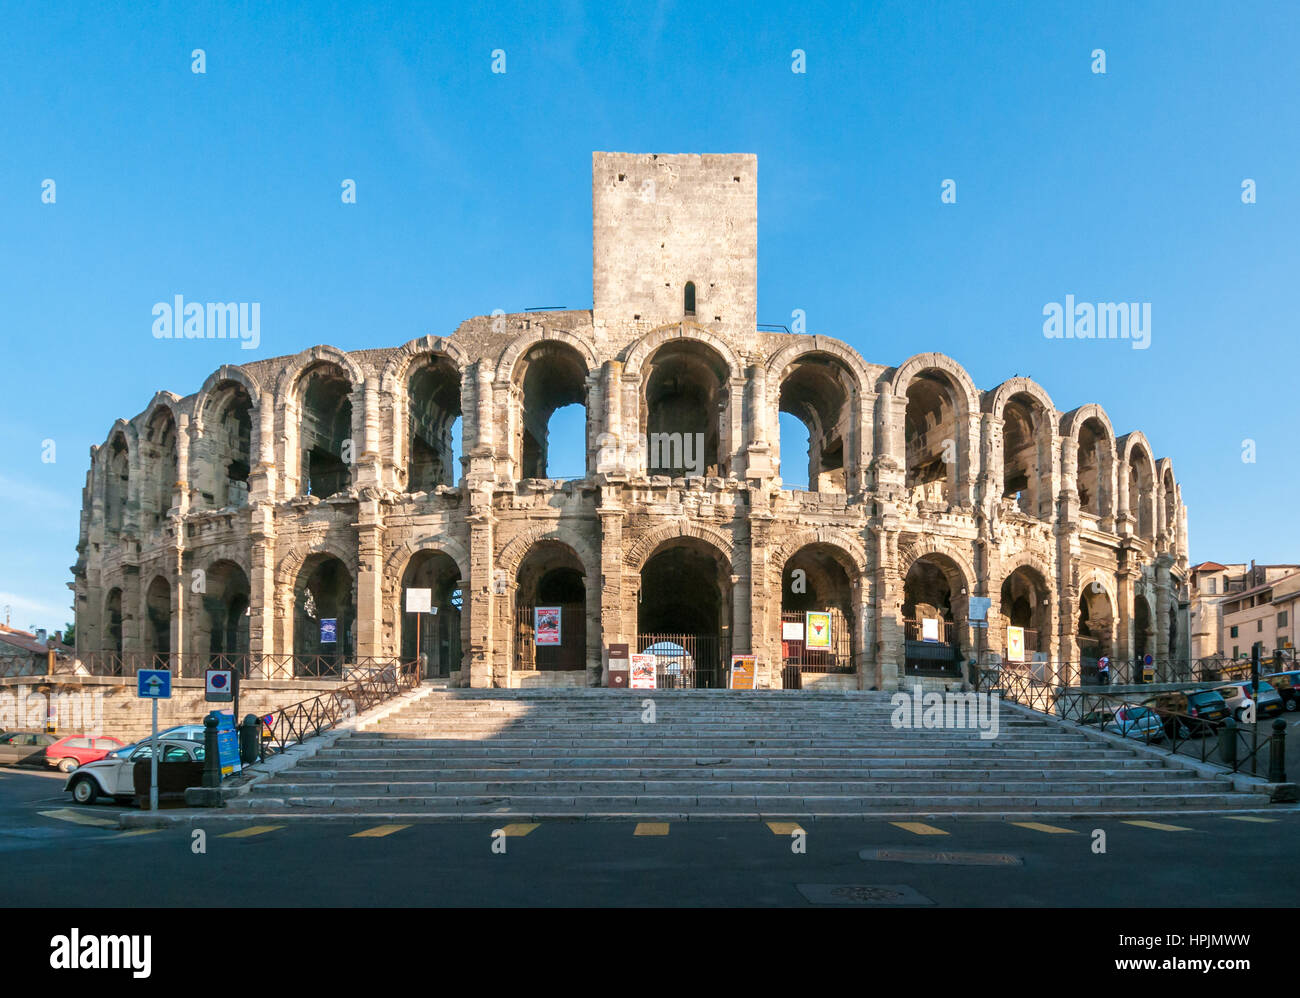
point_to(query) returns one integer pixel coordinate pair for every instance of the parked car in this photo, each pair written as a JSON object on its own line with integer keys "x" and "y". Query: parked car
{"x": 72, "y": 751}
{"x": 1191, "y": 712}
{"x": 114, "y": 775}
{"x": 1130, "y": 720}
{"x": 1287, "y": 685}
{"x": 1237, "y": 695}
{"x": 25, "y": 748}
{"x": 193, "y": 732}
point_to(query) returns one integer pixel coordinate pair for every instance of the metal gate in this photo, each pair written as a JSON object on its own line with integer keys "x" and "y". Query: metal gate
{"x": 931, "y": 658}
{"x": 687, "y": 661}
{"x": 569, "y": 654}
{"x": 797, "y": 658}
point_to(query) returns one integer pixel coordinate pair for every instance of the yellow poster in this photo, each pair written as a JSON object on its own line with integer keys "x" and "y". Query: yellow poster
{"x": 1015, "y": 644}
{"x": 817, "y": 633}
{"x": 744, "y": 671}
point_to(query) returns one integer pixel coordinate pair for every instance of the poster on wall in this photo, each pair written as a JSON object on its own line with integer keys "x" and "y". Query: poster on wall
{"x": 792, "y": 630}
{"x": 419, "y": 600}
{"x": 744, "y": 670}
{"x": 643, "y": 672}
{"x": 329, "y": 630}
{"x": 929, "y": 628}
{"x": 818, "y": 625}
{"x": 546, "y": 625}
{"x": 1015, "y": 644}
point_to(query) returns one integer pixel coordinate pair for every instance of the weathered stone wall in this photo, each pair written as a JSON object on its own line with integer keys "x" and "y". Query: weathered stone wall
{"x": 1002, "y": 499}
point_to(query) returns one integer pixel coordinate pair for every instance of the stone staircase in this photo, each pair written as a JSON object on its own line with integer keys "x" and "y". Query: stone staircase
{"x": 717, "y": 754}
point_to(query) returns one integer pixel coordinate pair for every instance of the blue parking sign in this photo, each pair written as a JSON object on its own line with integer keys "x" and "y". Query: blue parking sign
{"x": 154, "y": 684}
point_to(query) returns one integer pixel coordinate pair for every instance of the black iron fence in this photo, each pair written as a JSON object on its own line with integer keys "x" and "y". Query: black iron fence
{"x": 299, "y": 721}
{"x": 688, "y": 661}
{"x": 570, "y": 651}
{"x": 247, "y": 666}
{"x": 1142, "y": 716}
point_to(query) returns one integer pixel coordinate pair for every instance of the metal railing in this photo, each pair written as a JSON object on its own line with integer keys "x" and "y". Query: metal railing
{"x": 247, "y": 666}
{"x": 1236, "y": 747}
{"x": 293, "y": 724}
{"x": 836, "y": 658}
{"x": 688, "y": 661}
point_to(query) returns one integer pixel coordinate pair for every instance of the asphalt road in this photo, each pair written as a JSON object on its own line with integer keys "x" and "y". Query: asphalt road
{"x": 48, "y": 856}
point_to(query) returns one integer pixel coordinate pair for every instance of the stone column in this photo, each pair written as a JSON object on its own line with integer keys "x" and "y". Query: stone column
{"x": 764, "y": 601}
{"x": 261, "y": 586}
{"x": 479, "y": 590}
{"x": 614, "y": 628}
{"x": 370, "y": 575}
{"x": 1160, "y": 650}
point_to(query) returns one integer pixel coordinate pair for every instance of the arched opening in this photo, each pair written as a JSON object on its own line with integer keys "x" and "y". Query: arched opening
{"x": 223, "y": 626}
{"x": 685, "y": 399}
{"x": 818, "y": 618}
{"x": 1093, "y": 632}
{"x": 433, "y": 429}
{"x": 1093, "y": 462}
{"x": 1027, "y": 456}
{"x": 112, "y": 642}
{"x": 228, "y": 430}
{"x": 688, "y": 303}
{"x": 817, "y": 391}
{"x": 1143, "y": 630}
{"x": 932, "y": 439}
{"x": 552, "y": 381}
{"x": 436, "y": 635}
{"x": 684, "y": 614}
{"x": 158, "y": 622}
{"x": 550, "y": 610}
{"x": 1140, "y": 485}
{"x": 1025, "y": 603}
{"x": 324, "y": 612}
{"x": 325, "y": 437}
{"x": 117, "y": 482}
{"x": 159, "y": 459}
{"x": 934, "y": 611}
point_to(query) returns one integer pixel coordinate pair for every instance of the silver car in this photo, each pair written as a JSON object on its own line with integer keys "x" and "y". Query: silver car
{"x": 1236, "y": 695}
{"x": 114, "y": 775}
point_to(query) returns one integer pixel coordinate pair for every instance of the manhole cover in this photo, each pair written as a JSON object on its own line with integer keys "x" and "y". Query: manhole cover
{"x": 886, "y": 894}
{"x": 944, "y": 858}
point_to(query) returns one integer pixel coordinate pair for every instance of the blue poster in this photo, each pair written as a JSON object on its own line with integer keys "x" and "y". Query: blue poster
{"x": 329, "y": 629}
{"x": 227, "y": 744}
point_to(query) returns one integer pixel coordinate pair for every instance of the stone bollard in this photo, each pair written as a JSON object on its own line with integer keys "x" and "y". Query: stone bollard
{"x": 1277, "y": 753}
{"x": 1228, "y": 743}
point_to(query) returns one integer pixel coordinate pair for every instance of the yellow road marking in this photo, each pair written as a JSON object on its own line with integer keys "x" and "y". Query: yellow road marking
{"x": 137, "y": 831}
{"x": 1158, "y": 826}
{"x": 784, "y": 827}
{"x": 518, "y": 830}
{"x": 918, "y": 828}
{"x": 378, "y": 832}
{"x": 1249, "y": 817}
{"x": 244, "y": 833}
{"x": 1038, "y": 826}
{"x": 651, "y": 828}
{"x": 77, "y": 818}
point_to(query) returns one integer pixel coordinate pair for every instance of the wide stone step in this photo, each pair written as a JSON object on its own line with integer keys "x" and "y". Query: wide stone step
{"x": 426, "y": 774}
{"x": 761, "y": 788}
{"x": 476, "y": 750}
{"x": 746, "y": 804}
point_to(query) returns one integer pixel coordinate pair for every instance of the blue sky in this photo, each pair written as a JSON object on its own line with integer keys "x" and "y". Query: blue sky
{"x": 473, "y": 193}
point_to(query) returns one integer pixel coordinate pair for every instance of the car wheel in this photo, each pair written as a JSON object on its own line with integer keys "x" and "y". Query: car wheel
{"x": 1290, "y": 704}
{"x": 84, "y": 791}
{"x": 68, "y": 765}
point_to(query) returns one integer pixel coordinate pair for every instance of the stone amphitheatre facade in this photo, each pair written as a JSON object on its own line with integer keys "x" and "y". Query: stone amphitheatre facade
{"x": 321, "y": 486}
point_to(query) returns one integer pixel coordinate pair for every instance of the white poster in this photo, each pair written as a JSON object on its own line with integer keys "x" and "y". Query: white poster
{"x": 929, "y": 629}
{"x": 792, "y": 630}
{"x": 419, "y": 600}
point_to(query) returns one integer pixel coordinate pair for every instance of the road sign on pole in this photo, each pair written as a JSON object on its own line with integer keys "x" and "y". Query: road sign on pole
{"x": 155, "y": 685}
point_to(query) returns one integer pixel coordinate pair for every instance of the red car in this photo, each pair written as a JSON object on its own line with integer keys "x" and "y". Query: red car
{"x": 72, "y": 751}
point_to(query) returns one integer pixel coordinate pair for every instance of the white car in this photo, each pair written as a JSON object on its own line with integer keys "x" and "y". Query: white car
{"x": 114, "y": 775}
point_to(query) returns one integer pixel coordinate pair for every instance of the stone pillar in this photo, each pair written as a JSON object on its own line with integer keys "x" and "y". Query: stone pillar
{"x": 479, "y": 590}
{"x": 261, "y": 585}
{"x": 370, "y": 575}
{"x": 614, "y": 628}
{"x": 734, "y": 430}
{"x": 180, "y": 593}
{"x": 1160, "y": 650}
{"x": 764, "y": 601}
{"x": 181, "y": 490}
{"x": 366, "y": 450}
{"x": 889, "y": 599}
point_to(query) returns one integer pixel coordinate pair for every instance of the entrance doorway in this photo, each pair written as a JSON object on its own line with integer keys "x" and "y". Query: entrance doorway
{"x": 684, "y": 615}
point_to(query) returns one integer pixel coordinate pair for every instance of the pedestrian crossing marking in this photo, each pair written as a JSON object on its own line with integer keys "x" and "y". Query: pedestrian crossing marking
{"x": 784, "y": 827}
{"x": 1158, "y": 826}
{"x": 651, "y": 828}
{"x": 378, "y": 832}
{"x": 1249, "y": 817}
{"x": 519, "y": 829}
{"x": 1038, "y": 826}
{"x": 77, "y": 818}
{"x": 244, "y": 833}
{"x": 918, "y": 828}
